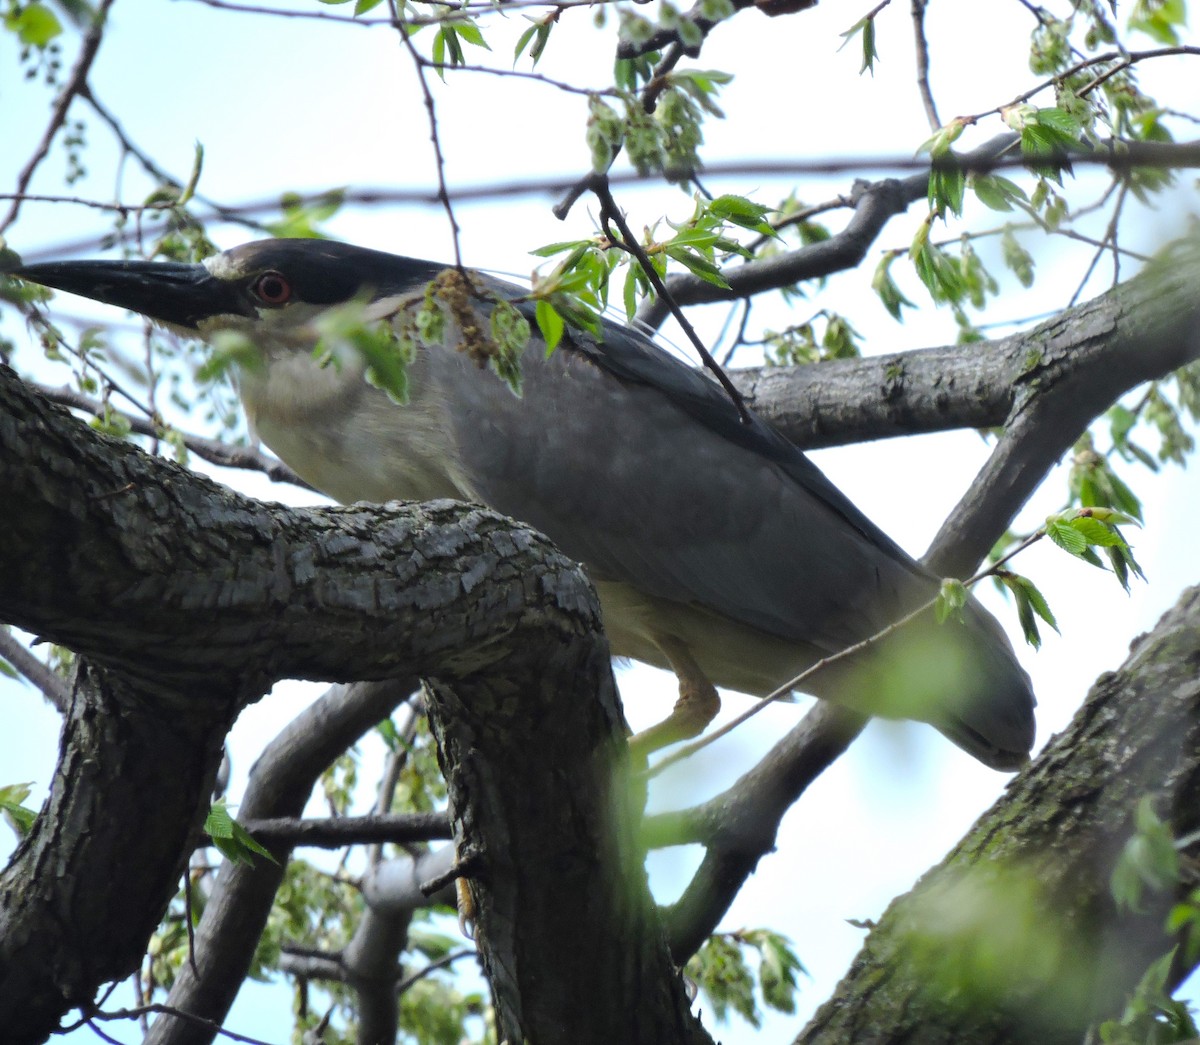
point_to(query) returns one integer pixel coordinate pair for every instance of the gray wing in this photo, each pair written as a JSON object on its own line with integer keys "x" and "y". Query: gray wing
{"x": 640, "y": 468}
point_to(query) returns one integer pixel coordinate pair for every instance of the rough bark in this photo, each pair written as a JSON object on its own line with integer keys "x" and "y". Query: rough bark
{"x": 129, "y": 793}
{"x": 1015, "y": 936}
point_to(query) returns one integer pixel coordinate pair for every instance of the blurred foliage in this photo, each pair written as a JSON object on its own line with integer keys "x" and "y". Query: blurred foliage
{"x": 724, "y": 970}
{"x": 1149, "y": 863}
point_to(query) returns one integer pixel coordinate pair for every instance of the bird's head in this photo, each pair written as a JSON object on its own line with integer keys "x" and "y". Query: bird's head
{"x": 271, "y": 284}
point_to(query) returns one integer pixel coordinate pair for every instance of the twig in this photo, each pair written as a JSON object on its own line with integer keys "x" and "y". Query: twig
{"x": 187, "y": 921}
{"x": 609, "y": 211}
{"x": 1124, "y": 59}
{"x": 158, "y": 1009}
{"x": 76, "y": 82}
{"x": 443, "y": 194}
{"x": 918, "y": 18}
{"x": 433, "y": 967}
{"x": 1108, "y": 243}
{"x": 154, "y": 170}
{"x": 212, "y": 450}
{"x": 1118, "y": 156}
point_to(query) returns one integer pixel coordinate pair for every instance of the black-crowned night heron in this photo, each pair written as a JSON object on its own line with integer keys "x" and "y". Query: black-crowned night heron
{"x": 717, "y": 548}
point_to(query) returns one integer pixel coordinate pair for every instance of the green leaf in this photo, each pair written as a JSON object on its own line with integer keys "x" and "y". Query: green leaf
{"x": 698, "y": 266}
{"x": 1017, "y": 258}
{"x": 1066, "y": 126}
{"x": 719, "y": 969}
{"x": 1149, "y": 859}
{"x": 35, "y": 25}
{"x": 946, "y": 189}
{"x": 1095, "y": 532}
{"x": 227, "y": 349}
{"x": 19, "y": 817}
{"x": 995, "y": 192}
{"x": 473, "y": 35}
{"x": 510, "y": 333}
{"x": 866, "y": 28}
{"x": 434, "y": 946}
{"x": 777, "y": 970}
{"x": 1066, "y": 536}
{"x": 743, "y": 212}
{"x": 231, "y": 839}
{"x": 1159, "y": 19}
{"x": 550, "y": 323}
{"x": 1031, "y": 604}
{"x": 952, "y": 597}
{"x": 885, "y": 286}
{"x": 938, "y": 144}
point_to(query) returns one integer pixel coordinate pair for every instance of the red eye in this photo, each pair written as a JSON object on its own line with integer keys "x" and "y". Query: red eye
{"x": 272, "y": 288}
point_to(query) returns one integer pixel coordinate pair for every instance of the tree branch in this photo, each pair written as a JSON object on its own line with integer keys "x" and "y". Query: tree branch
{"x": 214, "y": 451}
{"x": 505, "y": 629}
{"x": 1089, "y": 354}
{"x": 53, "y": 687}
{"x": 335, "y": 832}
{"x": 1076, "y": 365}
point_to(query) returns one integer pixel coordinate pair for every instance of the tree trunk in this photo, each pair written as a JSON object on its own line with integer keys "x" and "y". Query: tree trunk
{"x": 1015, "y": 936}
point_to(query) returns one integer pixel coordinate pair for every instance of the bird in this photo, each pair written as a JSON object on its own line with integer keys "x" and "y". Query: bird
{"x": 718, "y": 550}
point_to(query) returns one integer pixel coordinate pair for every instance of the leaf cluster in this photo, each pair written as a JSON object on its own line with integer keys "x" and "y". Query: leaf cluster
{"x": 722, "y": 969}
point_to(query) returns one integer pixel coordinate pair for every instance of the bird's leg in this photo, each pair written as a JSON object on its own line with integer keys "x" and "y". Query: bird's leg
{"x": 696, "y": 707}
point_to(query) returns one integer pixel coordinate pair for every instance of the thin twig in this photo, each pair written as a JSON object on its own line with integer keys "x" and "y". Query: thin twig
{"x": 1108, "y": 243}
{"x": 609, "y": 211}
{"x": 58, "y": 116}
{"x": 1116, "y": 155}
{"x": 1123, "y": 58}
{"x": 151, "y": 167}
{"x": 212, "y": 450}
{"x": 187, "y": 921}
{"x": 433, "y": 967}
{"x": 520, "y": 74}
{"x": 918, "y": 18}
{"x": 159, "y": 1009}
{"x": 443, "y": 194}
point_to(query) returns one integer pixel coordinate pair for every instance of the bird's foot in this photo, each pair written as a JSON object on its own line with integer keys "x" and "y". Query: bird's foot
{"x": 696, "y": 707}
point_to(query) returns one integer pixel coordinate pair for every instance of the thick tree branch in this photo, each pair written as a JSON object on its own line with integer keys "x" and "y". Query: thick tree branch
{"x": 53, "y": 686}
{"x": 1075, "y": 366}
{"x": 200, "y": 599}
{"x": 1136, "y": 332}
{"x": 738, "y": 826}
{"x": 88, "y": 885}
{"x": 1016, "y": 936}
{"x": 393, "y": 891}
